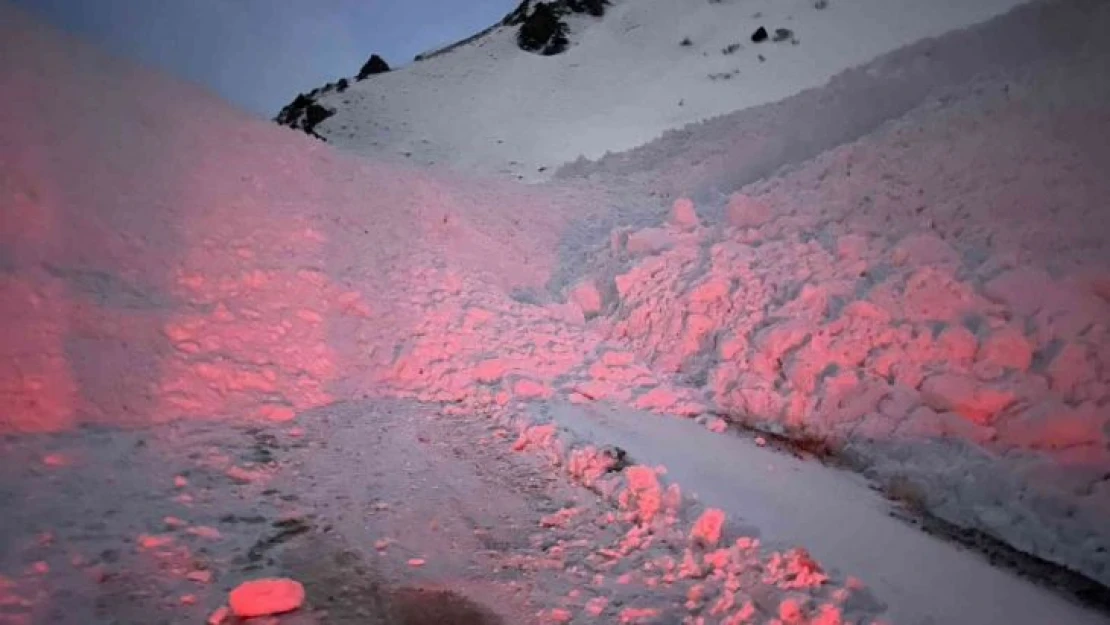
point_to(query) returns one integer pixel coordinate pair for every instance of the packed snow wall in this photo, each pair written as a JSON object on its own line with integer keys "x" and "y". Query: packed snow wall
{"x": 932, "y": 299}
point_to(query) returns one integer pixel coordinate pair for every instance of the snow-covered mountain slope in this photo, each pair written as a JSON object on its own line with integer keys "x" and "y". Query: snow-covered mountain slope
{"x": 644, "y": 67}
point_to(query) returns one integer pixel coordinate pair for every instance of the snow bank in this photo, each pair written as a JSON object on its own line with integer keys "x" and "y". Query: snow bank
{"x": 931, "y": 298}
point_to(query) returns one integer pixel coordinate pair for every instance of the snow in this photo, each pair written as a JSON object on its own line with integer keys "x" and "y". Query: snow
{"x": 169, "y": 266}
{"x": 785, "y": 501}
{"x": 487, "y": 108}
{"x": 263, "y": 597}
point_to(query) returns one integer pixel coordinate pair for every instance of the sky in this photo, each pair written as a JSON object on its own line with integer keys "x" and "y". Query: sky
{"x": 259, "y": 54}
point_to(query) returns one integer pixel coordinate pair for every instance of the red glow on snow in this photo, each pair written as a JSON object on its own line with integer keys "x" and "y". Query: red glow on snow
{"x": 210, "y": 271}
{"x": 264, "y": 597}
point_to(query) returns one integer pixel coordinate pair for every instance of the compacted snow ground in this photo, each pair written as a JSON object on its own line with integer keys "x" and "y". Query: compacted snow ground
{"x": 349, "y": 360}
{"x": 387, "y": 512}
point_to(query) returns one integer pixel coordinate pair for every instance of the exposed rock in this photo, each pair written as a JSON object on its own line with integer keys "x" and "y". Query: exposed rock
{"x": 542, "y": 27}
{"x": 315, "y": 114}
{"x": 760, "y": 35}
{"x": 374, "y": 65}
{"x": 543, "y": 32}
{"x": 783, "y": 34}
{"x": 596, "y": 8}
{"x": 304, "y": 113}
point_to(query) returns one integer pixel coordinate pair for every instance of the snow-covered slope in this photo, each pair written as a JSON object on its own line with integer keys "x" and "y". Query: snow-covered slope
{"x": 645, "y": 67}
{"x": 930, "y": 297}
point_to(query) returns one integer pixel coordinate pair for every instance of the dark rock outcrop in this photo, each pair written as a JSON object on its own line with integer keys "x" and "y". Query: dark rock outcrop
{"x": 543, "y": 32}
{"x": 542, "y": 26}
{"x": 375, "y": 65}
{"x": 304, "y": 114}
{"x": 595, "y": 8}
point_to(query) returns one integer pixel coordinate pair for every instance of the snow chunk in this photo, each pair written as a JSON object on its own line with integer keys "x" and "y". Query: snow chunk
{"x": 747, "y": 212}
{"x": 649, "y": 241}
{"x": 1007, "y": 348}
{"x": 530, "y": 389}
{"x": 264, "y": 597}
{"x": 965, "y": 396}
{"x": 1025, "y": 290}
{"x": 1070, "y": 369}
{"x": 851, "y": 246}
{"x": 925, "y": 249}
{"x": 1054, "y": 425}
{"x": 684, "y": 215}
{"x": 588, "y": 297}
{"x": 958, "y": 345}
{"x": 707, "y": 529}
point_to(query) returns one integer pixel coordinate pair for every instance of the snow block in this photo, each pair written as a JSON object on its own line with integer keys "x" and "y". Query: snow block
{"x": 264, "y": 597}
{"x": 588, "y": 297}
{"x": 684, "y": 215}
{"x": 746, "y": 212}
{"x": 926, "y": 249}
{"x": 965, "y": 396}
{"x": 648, "y": 241}
{"x": 1055, "y": 425}
{"x": 1007, "y": 348}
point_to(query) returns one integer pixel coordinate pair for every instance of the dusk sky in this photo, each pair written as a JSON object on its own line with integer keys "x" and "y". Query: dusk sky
{"x": 260, "y": 53}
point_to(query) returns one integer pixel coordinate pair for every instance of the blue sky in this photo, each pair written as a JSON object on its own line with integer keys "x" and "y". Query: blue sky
{"x": 260, "y": 53}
